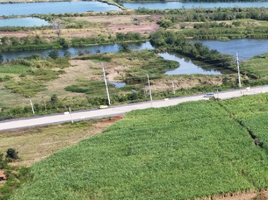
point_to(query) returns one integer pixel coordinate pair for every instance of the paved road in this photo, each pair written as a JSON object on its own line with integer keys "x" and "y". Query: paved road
{"x": 117, "y": 110}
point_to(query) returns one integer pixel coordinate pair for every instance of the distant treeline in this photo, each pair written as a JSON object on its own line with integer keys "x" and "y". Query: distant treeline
{"x": 205, "y": 14}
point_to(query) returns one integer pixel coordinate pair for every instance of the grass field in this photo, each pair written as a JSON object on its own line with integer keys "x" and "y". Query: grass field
{"x": 192, "y": 150}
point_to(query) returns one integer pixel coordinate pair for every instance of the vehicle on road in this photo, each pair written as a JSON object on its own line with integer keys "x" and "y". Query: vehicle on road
{"x": 103, "y": 106}
{"x": 209, "y": 95}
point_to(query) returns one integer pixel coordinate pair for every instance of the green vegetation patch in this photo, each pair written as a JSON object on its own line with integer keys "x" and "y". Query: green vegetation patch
{"x": 257, "y": 64}
{"x": 13, "y": 69}
{"x": 94, "y": 88}
{"x": 188, "y": 151}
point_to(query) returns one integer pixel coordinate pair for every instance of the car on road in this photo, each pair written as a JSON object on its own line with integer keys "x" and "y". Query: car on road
{"x": 209, "y": 95}
{"x": 103, "y": 106}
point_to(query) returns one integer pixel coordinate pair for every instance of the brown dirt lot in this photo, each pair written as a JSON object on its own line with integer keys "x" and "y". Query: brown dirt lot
{"x": 108, "y": 121}
{"x": 103, "y": 25}
{"x": 143, "y": 28}
{"x": 15, "y": 33}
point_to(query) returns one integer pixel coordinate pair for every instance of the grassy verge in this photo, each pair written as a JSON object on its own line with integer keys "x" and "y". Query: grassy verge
{"x": 188, "y": 151}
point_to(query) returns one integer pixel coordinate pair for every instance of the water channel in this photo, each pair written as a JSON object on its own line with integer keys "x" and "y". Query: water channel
{"x": 25, "y": 22}
{"x": 246, "y": 48}
{"x": 73, "y": 50}
{"x": 54, "y": 7}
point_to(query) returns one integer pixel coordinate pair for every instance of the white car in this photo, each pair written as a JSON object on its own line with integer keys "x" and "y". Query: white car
{"x": 209, "y": 95}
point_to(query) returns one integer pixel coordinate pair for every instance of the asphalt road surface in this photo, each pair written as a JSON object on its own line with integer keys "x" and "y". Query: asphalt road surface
{"x": 121, "y": 109}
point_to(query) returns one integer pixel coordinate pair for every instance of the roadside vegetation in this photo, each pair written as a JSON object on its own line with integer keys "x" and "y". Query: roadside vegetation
{"x": 163, "y": 153}
{"x": 11, "y": 177}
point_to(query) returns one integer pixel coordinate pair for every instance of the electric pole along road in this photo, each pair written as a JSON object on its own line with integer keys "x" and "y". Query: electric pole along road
{"x": 121, "y": 109}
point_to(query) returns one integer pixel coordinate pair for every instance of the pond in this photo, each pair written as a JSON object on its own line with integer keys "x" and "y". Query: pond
{"x": 174, "y": 5}
{"x": 186, "y": 66}
{"x": 117, "y": 84}
{"x": 246, "y": 48}
{"x": 27, "y": 21}
{"x": 54, "y": 7}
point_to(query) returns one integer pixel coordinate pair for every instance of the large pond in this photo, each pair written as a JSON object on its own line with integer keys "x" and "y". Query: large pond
{"x": 173, "y": 5}
{"x": 27, "y": 21}
{"x": 246, "y": 48}
{"x": 54, "y": 7}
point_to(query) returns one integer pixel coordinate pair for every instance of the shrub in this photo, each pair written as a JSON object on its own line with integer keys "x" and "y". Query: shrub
{"x": 12, "y": 154}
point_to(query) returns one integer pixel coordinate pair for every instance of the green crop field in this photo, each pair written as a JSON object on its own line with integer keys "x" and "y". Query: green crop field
{"x": 192, "y": 150}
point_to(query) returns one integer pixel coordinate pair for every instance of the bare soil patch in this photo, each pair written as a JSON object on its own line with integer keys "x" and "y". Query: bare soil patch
{"x": 251, "y": 195}
{"x": 143, "y": 28}
{"x": 108, "y": 121}
{"x": 15, "y": 33}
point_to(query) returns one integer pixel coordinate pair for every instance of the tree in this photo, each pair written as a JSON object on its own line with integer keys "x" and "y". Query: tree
{"x": 53, "y": 54}
{"x": 57, "y": 25}
{"x": 1, "y": 58}
{"x": 63, "y": 42}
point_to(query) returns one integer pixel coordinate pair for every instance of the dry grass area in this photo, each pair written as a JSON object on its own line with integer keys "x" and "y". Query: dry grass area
{"x": 35, "y": 144}
{"x": 184, "y": 81}
{"x": 114, "y": 19}
{"x": 79, "y": 69}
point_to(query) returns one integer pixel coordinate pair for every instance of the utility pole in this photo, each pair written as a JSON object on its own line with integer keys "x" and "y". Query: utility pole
{"x": 71, "y": 115}
{"x": 105, "y": 81}
{"x": 173, "y": 87}
{"x": 217, "y": 92}
{"x": 31, "y": 104}
{"x": 238, "y": 71}
{"x": 150, "y": 90}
